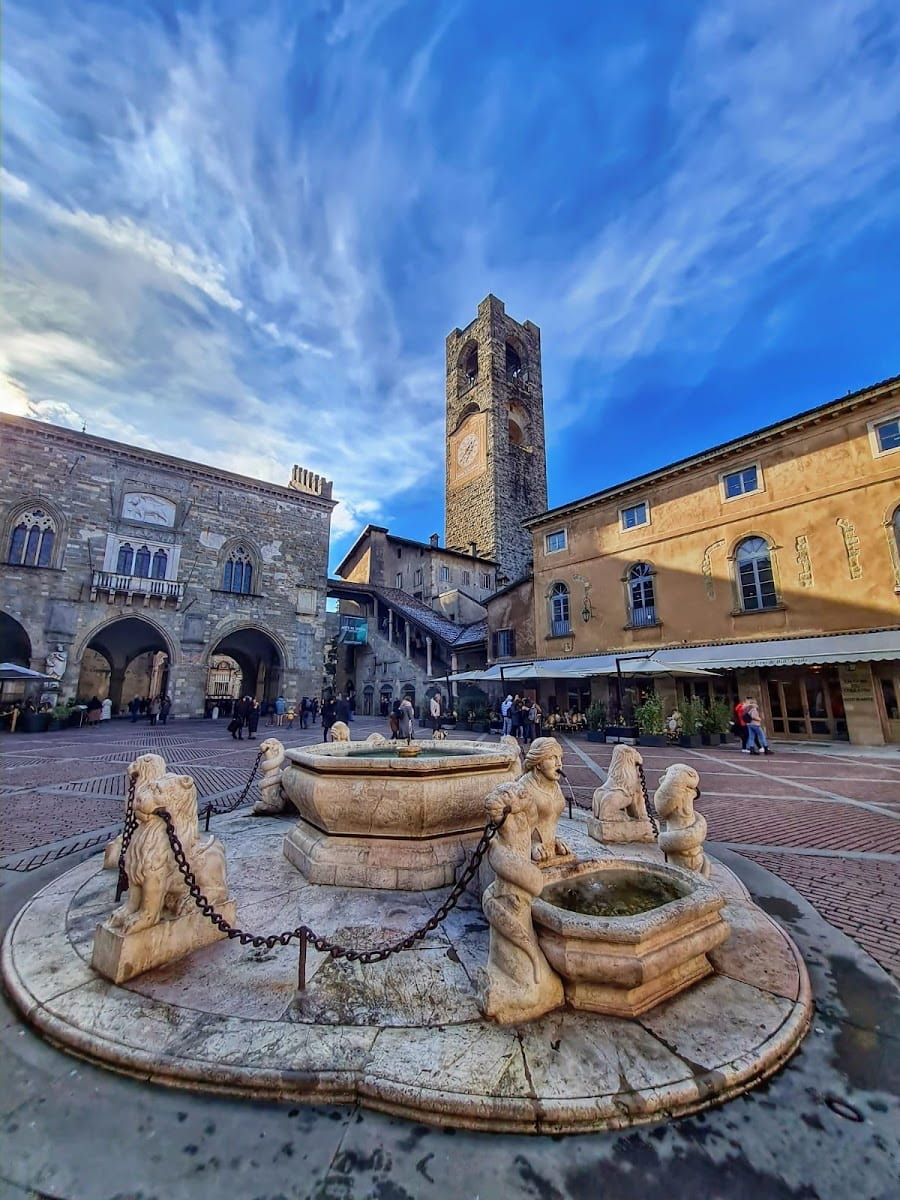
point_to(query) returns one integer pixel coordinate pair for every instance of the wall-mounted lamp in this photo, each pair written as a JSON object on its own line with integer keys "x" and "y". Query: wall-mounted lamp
{"x": 587, "y": 612}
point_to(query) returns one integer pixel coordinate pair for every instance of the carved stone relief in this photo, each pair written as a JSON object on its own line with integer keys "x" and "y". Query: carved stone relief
{"x": 851, "y": 546}
{"x": 706, "y": 569}
{"x": 143, "y": 506}
{"x": 805, "y": 575}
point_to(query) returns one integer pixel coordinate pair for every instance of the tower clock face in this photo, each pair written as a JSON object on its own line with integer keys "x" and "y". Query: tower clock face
{"x": 467, "y": 449}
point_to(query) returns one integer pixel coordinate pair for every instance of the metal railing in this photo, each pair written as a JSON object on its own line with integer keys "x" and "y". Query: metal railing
{"x": 560, "y": 628}
{"x": 641, "y": 617}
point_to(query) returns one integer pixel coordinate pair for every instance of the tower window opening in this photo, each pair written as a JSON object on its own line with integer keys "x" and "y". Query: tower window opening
{"x": 513, "y": 363}
{"x": 470, "y": 370}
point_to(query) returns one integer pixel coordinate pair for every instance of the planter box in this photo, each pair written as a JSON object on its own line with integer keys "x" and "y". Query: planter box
{"x": 689, "y": 739}
{"x": 614, "y": 733}
{"x": 713, "y": 739}
{"x": 33, "y": 723}
{"x": 651, "y": 739}
{"x": 479, "y": 727}
{"x": 596, "y": 735}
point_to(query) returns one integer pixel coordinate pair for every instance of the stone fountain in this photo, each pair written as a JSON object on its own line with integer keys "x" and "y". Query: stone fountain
{"x": 534, "y": 1017}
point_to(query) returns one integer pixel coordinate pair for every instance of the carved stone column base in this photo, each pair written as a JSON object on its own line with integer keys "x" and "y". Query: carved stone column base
{"x": 620, "y": 832}
{"x": 120, "y": 956}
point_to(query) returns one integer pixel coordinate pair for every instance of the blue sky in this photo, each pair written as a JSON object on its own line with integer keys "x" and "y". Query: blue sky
{"x": 240, "y": 232}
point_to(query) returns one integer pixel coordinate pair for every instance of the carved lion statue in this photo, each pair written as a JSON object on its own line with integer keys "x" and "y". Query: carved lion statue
{"x": 684, "y": 830}
{"x": 156, "y": 886}
{"x": 621, "y": 796}
{"x": 271, "y": 799}
{"x": 376, "y": 739}
{"x": 144, "y": 769}
{"x": 340, "y": 732}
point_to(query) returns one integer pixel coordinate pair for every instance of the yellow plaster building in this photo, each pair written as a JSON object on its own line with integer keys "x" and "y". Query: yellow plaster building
{"x": 772, "y": 559}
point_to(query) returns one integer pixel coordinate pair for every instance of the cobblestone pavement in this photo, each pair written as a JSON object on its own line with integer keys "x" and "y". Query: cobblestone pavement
{"x": 812, "y": 833}
{"x": 825, "y": 820}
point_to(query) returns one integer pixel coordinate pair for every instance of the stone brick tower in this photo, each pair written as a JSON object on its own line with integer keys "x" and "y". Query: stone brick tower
{"x": 496, "y": 466}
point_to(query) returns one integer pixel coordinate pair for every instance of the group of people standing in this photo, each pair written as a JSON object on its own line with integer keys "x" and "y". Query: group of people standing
{"x": 157, "y": 709}
{"x": 244, "y": 715}
{"x": 748, "y": 727}
{"x": 522, "y": 718}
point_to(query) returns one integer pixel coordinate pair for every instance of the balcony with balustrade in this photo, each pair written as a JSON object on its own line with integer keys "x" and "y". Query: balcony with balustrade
{"x": 140, "y": 589}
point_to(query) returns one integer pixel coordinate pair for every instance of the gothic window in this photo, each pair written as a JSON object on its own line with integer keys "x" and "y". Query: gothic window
{"x": 641, "y": 597}
{"x": 142, "y": 563}
{"x": 160, "y": 562}
{"x": 238, "y": 575}
{"x": 125, "y": 560}
{"x": 32, "y": 539}
{"x": 559, "y": 610}
{"x": 755, "y": 577}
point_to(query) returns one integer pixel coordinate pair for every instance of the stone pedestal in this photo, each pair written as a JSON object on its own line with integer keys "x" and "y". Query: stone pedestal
{"x": 404, "y": 865}
{"x": 620, "y": 832}
{"x": 120, "y": 956}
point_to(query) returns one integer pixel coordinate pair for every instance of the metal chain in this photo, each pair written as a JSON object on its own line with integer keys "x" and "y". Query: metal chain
{"x": 648, "y": 803}
{"x": 233, "y": 804}
{"x": 303, "y": 933}
{"x": 128, "y": 827}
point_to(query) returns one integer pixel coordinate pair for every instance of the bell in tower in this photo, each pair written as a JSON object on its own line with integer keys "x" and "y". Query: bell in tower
{"x": 496, "y": 465}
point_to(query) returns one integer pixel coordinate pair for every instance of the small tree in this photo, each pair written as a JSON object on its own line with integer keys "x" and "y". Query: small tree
{"x": 649, "y": 716}
{"x": 596, "y": 715}
{"x": 692, "y": 715}
{"x": 718, "y": 716}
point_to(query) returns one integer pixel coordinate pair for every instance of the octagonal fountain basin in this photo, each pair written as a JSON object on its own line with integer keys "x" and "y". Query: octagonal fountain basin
{"x": 371, "y": 818}
{"x": 626, "y": 934}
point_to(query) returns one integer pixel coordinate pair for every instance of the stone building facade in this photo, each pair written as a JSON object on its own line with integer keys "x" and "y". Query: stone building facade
{"x": 496, "y": 472}
{"x": 131, "y": 573}
{"x": 773, "y": 559}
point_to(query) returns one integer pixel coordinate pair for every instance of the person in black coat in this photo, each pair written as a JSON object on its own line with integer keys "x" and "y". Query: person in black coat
{"x": 236, "y": 726}
{"x": 252, "y": 717}
{"x": 329, "y": 716}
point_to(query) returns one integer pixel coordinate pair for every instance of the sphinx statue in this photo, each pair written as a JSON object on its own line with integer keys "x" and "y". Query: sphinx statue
{"x": 682, "y": 829}
{"x": 518, "y": 983}
{"x": 619, "y": 812}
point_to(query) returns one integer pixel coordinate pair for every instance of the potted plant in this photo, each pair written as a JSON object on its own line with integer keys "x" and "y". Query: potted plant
{"x": 596, "y": 721}
{"x": 716, "y": 722}
{"x": 692, "y": 713}
{"x": 59, "y": 717}
{"x": 33, "y": 722}
{"x": 480, "y": 720}
{"x": 469, "y": 718}
{"x": 618, "y": 731}
{"x": 651, "y": 724}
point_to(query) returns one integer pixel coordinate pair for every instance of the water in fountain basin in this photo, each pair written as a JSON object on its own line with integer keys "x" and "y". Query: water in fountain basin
{"x": 611, "y": 894}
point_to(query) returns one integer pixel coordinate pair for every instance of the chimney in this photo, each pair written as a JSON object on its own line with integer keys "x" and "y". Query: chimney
{"x": 473, "y": 546}
{"x": 435, "y": 540}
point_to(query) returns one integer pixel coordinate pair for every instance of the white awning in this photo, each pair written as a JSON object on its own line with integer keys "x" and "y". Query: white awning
{"x": 877, "y": 646}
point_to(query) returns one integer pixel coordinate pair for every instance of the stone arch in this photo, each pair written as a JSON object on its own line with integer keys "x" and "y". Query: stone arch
{"x": 467, "y": 364}
{"x": 515, "y": 359}
{"x": 518, "y": 424}
{"x": 260, "y": 653}
{"x": 469, "y": 411}
{"x": 15, "y": 641}
{"x": 139, "y": 654}
{"x": 31, "y": 504}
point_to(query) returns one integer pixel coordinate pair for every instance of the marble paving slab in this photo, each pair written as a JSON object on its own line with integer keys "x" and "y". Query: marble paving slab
{"x": 404, "y": 1035}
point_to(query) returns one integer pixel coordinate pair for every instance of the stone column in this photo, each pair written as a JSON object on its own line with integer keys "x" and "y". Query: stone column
{"x": 407, "y": 640}
{"x": 391, "y": 626}
{"x": 454, "y": 667}
{"x": 428, "y": 656}
{"x": 116, "y": 681}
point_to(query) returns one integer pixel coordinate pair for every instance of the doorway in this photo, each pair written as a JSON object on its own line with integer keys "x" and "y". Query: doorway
{"x": 807, "y": 703}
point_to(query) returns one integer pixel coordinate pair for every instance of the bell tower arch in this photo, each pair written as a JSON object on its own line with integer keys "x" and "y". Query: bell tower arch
{"x": 496, "y": 463}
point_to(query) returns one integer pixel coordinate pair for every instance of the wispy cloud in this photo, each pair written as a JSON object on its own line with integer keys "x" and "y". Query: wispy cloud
{"x": 241, "y": 233}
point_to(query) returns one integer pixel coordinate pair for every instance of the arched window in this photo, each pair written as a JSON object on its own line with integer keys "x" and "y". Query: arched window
{"x": 755, "y": 577}
{"x": 470, "y": 368}
{"x": 896, "y": 524}
{"x": 513, "y": 363}
{"x": 160, "y": 562}
{"x": 32, "y": 539}
{"x": 142, "y": 563}
{"x": 125, "y": 560}
{"x": 641, "y": 598}
{"x": 238, "y": 575}
{"x": 559, "y": 610}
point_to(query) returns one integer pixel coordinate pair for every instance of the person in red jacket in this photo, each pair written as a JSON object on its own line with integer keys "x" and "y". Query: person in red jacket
{"x": 741, "y": 727}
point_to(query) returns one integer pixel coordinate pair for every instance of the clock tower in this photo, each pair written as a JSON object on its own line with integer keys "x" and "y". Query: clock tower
{"x": 496, "y": 467}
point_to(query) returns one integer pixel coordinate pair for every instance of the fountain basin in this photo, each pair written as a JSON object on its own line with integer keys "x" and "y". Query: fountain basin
{"x": 627, "y": 962}
{"x": 370, "y": 818}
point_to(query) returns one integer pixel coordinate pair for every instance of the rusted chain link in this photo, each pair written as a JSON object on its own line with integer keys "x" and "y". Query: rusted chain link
{"x": 648, "y": 802}
{"x": 303, "y": 933}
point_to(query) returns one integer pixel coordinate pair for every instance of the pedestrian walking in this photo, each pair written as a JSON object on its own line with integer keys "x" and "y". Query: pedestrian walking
{"x": 165, "y": 708}
{"x": 407, "y": 715}
{"x": 756, "y": 735}
{"x": 134, "y": 708}
{"x": 434, "y": 709}
{"x": 506, "y": 714}
{"x": 252, "y": 717}
{"x": 535, "y": 717}
{"x": 155, "y": 707}
{"x": 329, "y": 716}
{"x": 106, "y": 709}
{"x": 740, "y": 728}
{"x": 342, "y": 709}
{"x": 94, "y": 708}
{"x": 280, "y": 710}
{"x": 394, "y": 720}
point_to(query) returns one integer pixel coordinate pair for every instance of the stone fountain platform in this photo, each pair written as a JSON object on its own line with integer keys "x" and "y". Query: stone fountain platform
{"x": 403, "y": 1036}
